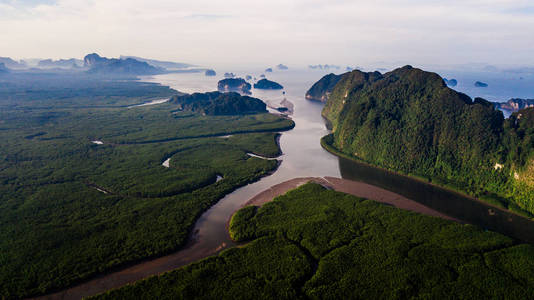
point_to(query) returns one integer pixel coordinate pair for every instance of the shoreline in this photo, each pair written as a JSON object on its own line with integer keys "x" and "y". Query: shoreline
{"x": 340, "y": 154}
{"x": 355, "y": 188}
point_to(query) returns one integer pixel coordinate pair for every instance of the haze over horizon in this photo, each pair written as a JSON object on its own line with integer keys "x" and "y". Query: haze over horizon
{"x": 236, "y": 32}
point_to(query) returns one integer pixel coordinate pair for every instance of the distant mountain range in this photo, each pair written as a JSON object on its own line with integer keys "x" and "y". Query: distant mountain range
{"x": 12, "y": 64}
{"x": 159, "y": 63}
{"x": 129, "y": 66}
{"x": 61, "y": 63}
{"x": 94, "y": 63}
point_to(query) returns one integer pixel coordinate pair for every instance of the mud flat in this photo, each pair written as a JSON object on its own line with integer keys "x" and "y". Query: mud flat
{"x": 355, "y": 188}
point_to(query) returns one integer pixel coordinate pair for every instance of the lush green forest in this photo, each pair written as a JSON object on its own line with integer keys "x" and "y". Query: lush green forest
{"x": 71, "y": 208}
{"x": 409, "y": 121}
{"x": 217, "y": 103}
{"x": 321, "y": 244}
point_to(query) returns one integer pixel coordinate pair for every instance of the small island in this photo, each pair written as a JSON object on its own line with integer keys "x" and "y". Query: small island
{"x": 514, "y": 105}
{"x": 282, "y": 67}
{"x": 229, "y": 75}
{"x": 234, "y": 85}
{"x": 481, "y": 84}
{"x": 265, "y": 84}
{"x": 210, "y": 72}
{"x": 269, "y": 70}
{"x": 216, "y": 103}
{"x": 451, "y": 82}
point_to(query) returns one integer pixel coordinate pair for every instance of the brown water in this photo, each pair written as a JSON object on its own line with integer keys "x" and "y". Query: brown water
{"x": 302, "y": 157}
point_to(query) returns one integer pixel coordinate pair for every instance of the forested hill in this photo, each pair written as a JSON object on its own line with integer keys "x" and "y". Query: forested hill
{"x": 216, "y": 103}
{"x": 409, "y": 121}
{"x": 322, "y": 88}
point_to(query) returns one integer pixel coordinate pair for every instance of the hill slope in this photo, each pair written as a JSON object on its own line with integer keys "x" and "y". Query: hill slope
{"x": 408, "y": 120}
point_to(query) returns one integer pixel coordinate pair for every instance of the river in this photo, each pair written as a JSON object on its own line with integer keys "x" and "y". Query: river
{"x": 302, "y": 156}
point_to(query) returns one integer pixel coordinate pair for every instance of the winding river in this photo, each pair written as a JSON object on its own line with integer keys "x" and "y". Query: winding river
{"x": 302, "y": 157}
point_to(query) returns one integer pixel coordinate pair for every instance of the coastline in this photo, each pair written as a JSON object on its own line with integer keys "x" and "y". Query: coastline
{"x": 326, "y": 145}
{"x": 359, "y": 189}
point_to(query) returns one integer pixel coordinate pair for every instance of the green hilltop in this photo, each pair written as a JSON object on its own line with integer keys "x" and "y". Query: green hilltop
{"x": 409, "y": 121}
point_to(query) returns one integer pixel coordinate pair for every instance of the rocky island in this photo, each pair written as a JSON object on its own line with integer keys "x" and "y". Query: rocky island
{"x": 210, "y": 72}
{"x": 481, "y": 84}
{"x": 234, "y": 85}
{"x": 282, "y": 67}
{"x": 268, "y": 70}
{"x": 265, "y": 84}
{"x": 514, "y": 105}
{"x": 216, "y": 103}
{"x": 450, "y": 82}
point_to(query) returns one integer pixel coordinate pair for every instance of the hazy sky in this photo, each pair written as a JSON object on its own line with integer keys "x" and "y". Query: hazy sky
{"x": 499, "y": 32}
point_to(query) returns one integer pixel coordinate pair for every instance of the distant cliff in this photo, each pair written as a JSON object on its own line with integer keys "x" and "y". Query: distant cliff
{"x": 216, "y": 103}
{"x": 265, "y": 84}
{"x": 514, "y": 105}
{"x": 409, "y": 121}
{"x": 322, "y": 88}
{"x": 129, "y": 66}
{"x": 234, "y": 85}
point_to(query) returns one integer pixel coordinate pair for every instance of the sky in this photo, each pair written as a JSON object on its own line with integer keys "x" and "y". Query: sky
{"x": 298, "y": 32}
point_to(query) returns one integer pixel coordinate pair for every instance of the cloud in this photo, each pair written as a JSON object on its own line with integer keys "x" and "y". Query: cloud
{"x": 302, "y": 32}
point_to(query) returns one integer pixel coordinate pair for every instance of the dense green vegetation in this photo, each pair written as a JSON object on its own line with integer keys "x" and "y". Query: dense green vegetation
{"x": 70, "y": 208}
{"x": 216, "y": 103}
{"x": 265, "y": 84}
{"x": 409, "y": 121}
{"x": 321, "y": 90}
{"x": 321, "y": 244}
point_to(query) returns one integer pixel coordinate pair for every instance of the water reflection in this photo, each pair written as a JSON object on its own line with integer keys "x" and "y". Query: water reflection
{"x": 447, "y": 202}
